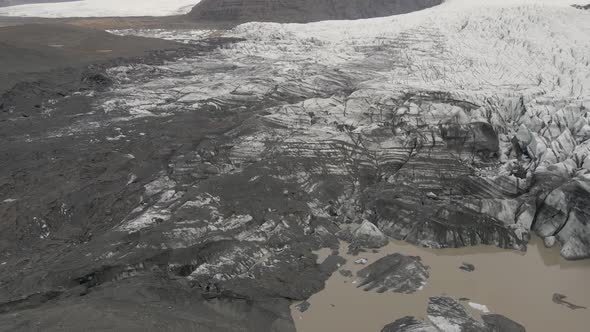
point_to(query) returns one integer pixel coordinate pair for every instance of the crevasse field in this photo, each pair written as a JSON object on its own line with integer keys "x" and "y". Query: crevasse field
{"x": 520, "y": 67}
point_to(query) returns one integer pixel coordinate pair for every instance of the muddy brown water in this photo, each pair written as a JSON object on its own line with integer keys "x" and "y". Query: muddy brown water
{"x": 515, "y": 284}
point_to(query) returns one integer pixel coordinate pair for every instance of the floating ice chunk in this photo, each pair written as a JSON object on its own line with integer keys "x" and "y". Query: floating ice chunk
{"x": 480, "y": 307}
{"x": 361, "y": 261}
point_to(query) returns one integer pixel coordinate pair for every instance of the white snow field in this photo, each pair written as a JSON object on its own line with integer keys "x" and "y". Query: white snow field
{"x": 101, "y": 8}
{"x": 470, "y": 46}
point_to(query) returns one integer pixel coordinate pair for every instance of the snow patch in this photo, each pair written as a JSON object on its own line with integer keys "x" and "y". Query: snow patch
{"x": 101, "y": 8}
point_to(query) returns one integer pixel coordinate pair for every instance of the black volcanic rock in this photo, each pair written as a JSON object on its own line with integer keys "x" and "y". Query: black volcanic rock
{"x": 499, "y": 323}
{"x": 561, "y": 299}
{"x": 585, "y": 7}
{"x": 396, "y": 273}
{"x": 303, "y": 306}
{"x": 300, "y": 11}
{"x": 467, "y": 267}
{"x": 6, "y": 3}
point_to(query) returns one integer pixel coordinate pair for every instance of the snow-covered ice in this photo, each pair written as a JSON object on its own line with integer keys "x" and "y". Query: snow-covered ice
{"x": 470, "y": 46}
{"x": 101, "y": 8}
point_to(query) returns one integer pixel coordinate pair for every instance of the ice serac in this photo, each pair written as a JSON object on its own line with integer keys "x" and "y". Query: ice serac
{"x": 300, "y": 11}
{"x": 368, "y": 233}
{"x": 445, "y": 314}
{"x": 564, "y": 215}
{"x": 365, "y": 235}
{"x": 396, "y": 273}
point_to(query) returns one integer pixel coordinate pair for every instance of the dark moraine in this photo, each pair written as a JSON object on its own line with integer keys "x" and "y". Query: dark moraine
{"x": 300, "y": 11}
{"x": 6, "y": 3}
{"x": 42, "y": 51}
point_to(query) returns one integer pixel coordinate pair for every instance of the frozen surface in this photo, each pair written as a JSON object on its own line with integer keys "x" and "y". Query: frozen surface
{"x": 102, "y": 8}
{"x": 467, "y": 46}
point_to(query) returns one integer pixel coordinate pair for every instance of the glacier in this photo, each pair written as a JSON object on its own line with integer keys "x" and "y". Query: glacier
{"x": 203, "y": 183}
{"x": 476, "y": 110}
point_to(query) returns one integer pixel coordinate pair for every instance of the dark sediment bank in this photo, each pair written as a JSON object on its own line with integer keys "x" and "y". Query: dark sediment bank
{"x": 55, "y": 52}
{"x": 300, "y": 11}
{"x": 6, "y": 3}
